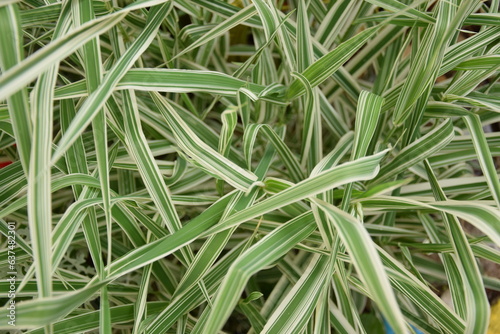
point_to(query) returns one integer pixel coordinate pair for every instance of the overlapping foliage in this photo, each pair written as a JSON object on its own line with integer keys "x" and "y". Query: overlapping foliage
{"x": 196, "y": 166}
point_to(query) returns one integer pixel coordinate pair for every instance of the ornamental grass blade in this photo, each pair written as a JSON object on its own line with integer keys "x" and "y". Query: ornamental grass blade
{"x": 484, "y": 156}
{"x": 475, "y": 301}
{"x": 171, "y": 80}
{"x": 38, "y": 313}
{"x": 417, "y": 151}
{"x": 368, "y": 265}
{"x": 39, "y": 176}
{"x": 11, "y": 53}
{"x": 367, "y": 115}
{"x": 481, "y": 216}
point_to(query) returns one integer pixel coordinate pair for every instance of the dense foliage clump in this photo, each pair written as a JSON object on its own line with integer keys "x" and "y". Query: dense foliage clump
{"x": 265, "y": 166}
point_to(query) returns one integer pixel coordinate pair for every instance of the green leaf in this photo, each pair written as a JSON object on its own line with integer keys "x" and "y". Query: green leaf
{"x": 324, "y": 67}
